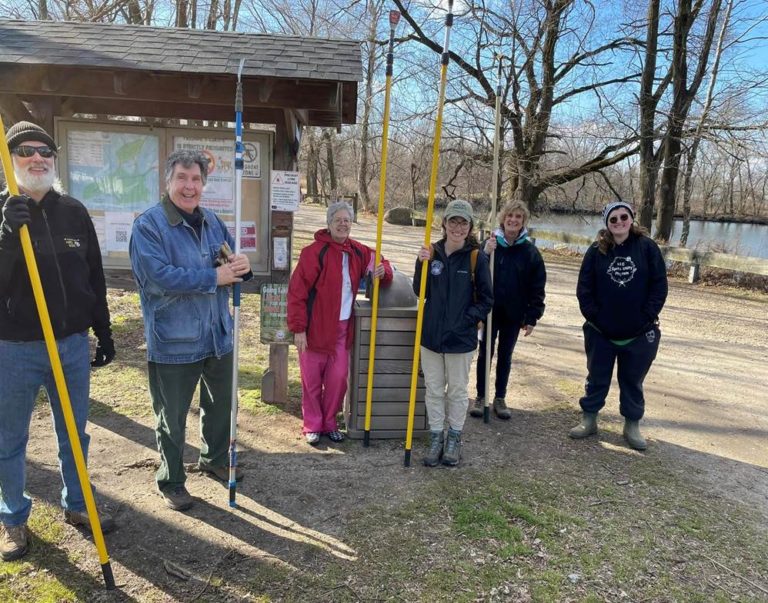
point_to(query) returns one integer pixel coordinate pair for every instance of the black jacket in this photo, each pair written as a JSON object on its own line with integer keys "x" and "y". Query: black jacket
{"x": 452, "y": 306}
{"x": 519, "y": 278}
{"x": 622, "y": 292}
{"x": 69, "y": 262}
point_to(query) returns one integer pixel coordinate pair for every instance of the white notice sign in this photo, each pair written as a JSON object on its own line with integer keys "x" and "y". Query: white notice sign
{"x": 284, "y": 191}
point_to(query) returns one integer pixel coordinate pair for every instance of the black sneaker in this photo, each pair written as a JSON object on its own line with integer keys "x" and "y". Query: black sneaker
{"x": 177, "y": 498}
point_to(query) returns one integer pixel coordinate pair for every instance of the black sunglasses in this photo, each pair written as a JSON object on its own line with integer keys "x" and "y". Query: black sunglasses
{"x": 29, "y": 151}
{"x": 615, "y": 219}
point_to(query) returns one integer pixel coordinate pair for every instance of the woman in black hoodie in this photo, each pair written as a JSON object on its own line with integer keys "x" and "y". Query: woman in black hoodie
{"x": 621, "y": 290}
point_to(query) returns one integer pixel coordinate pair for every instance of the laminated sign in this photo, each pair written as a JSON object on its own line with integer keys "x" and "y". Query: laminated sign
{"x": 274, "y": 314}
{"x": 284, "y": 191}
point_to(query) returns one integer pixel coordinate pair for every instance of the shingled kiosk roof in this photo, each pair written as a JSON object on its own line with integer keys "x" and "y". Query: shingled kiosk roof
{"x": 183, "y": 73}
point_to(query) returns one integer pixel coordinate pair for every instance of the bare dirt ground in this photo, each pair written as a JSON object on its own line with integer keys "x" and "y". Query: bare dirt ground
{"x": 707, "y": 421}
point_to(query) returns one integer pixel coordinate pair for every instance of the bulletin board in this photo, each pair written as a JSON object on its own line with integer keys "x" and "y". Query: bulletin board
{"x": 117, "y": 170}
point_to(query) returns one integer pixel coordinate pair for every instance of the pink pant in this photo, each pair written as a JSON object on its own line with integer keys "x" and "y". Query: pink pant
{"x": 324, "y": 383}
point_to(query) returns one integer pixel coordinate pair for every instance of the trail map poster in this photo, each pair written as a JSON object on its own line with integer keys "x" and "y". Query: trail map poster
{"x": 113, "y": 171}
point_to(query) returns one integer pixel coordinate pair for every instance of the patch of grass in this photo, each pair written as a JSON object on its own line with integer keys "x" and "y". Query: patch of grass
{"x": 35, "y": 577}
{"x": 494, "y": 535}
{"x": 570, "y": 388}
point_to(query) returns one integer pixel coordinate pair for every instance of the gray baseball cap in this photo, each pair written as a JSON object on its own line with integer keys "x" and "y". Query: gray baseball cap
{"x": 458, "y": 208}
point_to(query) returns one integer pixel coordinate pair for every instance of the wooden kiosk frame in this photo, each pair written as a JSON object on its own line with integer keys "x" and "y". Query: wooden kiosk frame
{"x": 67, "y": 76}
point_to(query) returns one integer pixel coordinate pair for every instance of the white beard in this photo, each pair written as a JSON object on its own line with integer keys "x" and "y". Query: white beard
{"x": 37, "y": 184}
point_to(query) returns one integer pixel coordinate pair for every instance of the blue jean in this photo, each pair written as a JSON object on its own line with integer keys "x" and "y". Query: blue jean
{"x": 18, "y": 389}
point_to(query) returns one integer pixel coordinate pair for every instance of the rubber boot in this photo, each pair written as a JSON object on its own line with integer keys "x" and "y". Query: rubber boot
{"x": 501, "y": 410}
{"x": 633, "y": 436}
{"x": 435, "y": 452}
{"x": 452, "y": 454}
{"x": 586, "y": 428}
{"x": 477, "y": 407}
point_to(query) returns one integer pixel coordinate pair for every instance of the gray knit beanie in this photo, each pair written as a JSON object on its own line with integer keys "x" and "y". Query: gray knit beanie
{"x": 611, "y": 207}
{"x": 26, "y": 131}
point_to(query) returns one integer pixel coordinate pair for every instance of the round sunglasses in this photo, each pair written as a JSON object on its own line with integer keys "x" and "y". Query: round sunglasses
{"x": 615, "y": 219}
{"x": 27, "y": 151}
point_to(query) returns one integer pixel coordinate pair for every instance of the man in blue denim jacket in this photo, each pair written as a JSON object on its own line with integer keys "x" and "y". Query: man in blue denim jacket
{"x": 183, "y": 265}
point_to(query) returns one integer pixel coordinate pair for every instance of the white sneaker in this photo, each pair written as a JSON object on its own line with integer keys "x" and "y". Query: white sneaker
{"x": 312, "y": 438}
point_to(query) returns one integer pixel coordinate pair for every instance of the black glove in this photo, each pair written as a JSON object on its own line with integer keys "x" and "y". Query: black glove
{"x": 105, "y": 350}
{"x": 16, "y": 213}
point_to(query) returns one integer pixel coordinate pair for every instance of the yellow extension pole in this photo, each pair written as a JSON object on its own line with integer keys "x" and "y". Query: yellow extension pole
{"x": 428, "y": 231}
{"x": 394, "y": 17}
{"x": 58, "y": 373}
{"x": 495, "y": 197}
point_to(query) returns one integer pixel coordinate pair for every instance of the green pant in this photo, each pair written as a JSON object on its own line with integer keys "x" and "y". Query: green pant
{"x": 171, "y": 387}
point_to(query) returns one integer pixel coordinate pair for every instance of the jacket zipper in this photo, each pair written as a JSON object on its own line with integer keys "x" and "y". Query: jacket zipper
{"x": 58, "y": 269}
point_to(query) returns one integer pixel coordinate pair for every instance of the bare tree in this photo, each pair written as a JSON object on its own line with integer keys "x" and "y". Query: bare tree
{"x": 683, "y": 94}
{"x": 552, "y": 63}
{"x": 695, "y": 142}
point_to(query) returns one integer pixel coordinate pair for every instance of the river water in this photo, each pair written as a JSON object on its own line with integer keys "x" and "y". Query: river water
{"x": 724, "y": 237}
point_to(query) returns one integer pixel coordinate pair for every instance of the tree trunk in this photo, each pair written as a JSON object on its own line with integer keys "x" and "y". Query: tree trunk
{"x": 649, "y": 165}
{"x": 213, "y": 14}
{"x": 42, "y": 10}
{"x": 236, "y": 14}
{"x": 330, "y": 164}
{"x": 181, "y": 13}
{"x": 365, "y": 138}
{"x": 312, "y": 160}
{"x": 227, "y": 14}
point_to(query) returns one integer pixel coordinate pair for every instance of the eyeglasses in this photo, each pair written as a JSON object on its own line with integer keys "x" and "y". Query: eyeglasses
{"x": 458, "y": 223}
{"x": 29, "y": 151}
{"x": 615, "y": 219}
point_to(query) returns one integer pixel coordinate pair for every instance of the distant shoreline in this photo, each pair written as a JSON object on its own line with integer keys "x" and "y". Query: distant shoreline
{"x": 694, "y": 218}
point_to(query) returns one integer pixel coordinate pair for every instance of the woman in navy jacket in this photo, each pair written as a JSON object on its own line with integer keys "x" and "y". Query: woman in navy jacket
{"x": 622, "y": 288}
{"x": 519, "y": 278}
{"x": 458, "y": 297}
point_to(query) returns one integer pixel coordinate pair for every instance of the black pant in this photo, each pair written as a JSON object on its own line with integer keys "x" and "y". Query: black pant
{"x": 633, "y": 359}
{"x": 507, "y": 339}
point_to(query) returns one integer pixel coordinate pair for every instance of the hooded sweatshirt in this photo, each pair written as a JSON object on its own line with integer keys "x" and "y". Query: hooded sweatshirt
{"x": 622, "y": 292}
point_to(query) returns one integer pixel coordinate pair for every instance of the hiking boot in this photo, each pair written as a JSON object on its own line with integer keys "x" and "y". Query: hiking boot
{"x": 501, "y": 410}
{"x": 335, "y": 436}
{"x": 221, "y": 473}
{"x": 452, "y": 453}
{"x": 477, "y": 407}
{"x": 14, "y": 542}
{"x": 435, "y": 452}
{"x": 79, "y": 519}
{"x": 177, "y": 498}
{"x": 586, "y": 428}
{"x": 633, "y": 436}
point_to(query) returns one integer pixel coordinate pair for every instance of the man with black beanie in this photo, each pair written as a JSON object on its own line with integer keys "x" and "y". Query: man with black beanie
{"x": 69, "y": 262}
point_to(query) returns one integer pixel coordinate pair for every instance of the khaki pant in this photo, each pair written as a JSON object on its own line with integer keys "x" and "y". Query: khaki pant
{"x": 446, "y": 377}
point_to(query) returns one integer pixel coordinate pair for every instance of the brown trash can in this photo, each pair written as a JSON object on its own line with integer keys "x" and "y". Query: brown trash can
{"x": 395, "y": 331}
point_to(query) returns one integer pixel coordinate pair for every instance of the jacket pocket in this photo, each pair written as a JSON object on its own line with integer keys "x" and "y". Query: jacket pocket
{"x": 178, "y": 321}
